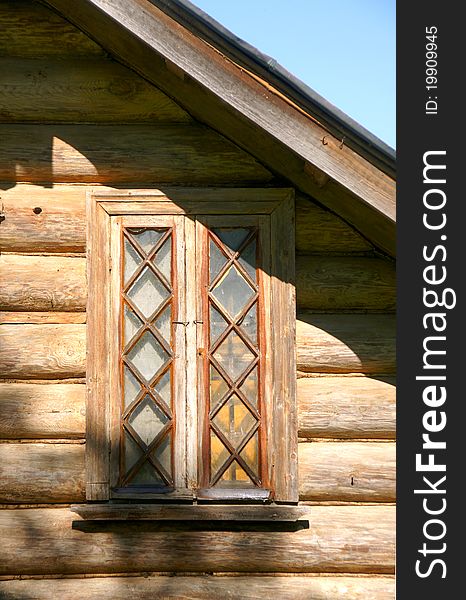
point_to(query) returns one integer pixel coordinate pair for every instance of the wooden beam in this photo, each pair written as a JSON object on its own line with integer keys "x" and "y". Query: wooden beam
{"x": 328, "y": 471}
{"x": 42, "y": 410}
{"x": 228, "y": 99}
{"x": 116, "y": 154}
{"x": 189, "y": 512}
{"x": 38, "y": 283}
{"x": 344, "y": 283}
{"x": 345, "y": 539}
{"x": 346, "y": 343}
{"x": 347, "y": 407}
{"x": 42, "y": 351}
{"x": 32, "y": 30}
{"x": 41, "y": 473}
{"x": 83, "y": 90}
{"x": 347, "y": 471}
{"x": 205, "y": 587}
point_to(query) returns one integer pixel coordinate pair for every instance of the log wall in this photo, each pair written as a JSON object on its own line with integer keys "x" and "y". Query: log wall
{"x": 71, "y": 118}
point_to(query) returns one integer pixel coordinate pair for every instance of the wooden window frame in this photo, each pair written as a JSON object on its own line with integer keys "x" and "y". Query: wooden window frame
{"x": 281, "y": 426}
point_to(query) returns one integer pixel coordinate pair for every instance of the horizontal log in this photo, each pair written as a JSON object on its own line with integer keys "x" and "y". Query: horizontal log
{"x": 42, "y": 411}
{"x": 347, "y": 471}
{"x": 29, "y": 29}
{"x": 55, "y": 317}
{"x": 339, "y": 283}
{"x": 328, "y": 407}
{"x": 179, "y": 154}
{"x": 93, "y": 91}
{"x": 42, "y": 351}
{"x": 347, "y": 407}
{"x": 205, "y": 587}
{"x": 41, "y": 473}
{"x": 346, "y": 343}
{"x": 40, "y": 219}
{"x": 39, "y": 283}
{"x": 319, "y": 230}
{"x": 347, "y": 539}
{"x": 340, "y": 471}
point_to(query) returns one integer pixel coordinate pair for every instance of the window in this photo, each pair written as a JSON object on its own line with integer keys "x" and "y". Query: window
{"x": 191, "y": 349}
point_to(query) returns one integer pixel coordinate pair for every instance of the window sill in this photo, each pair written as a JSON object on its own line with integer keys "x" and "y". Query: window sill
{"x": 179, "y": 512}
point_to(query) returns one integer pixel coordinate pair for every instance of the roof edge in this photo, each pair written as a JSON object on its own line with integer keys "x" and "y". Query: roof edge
{"x": 357, "y": 137}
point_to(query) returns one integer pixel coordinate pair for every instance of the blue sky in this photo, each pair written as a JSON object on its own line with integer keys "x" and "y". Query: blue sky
{"x": 343, "y": 49}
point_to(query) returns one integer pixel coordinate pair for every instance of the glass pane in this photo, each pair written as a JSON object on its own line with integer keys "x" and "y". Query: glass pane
{"x": 232, "y": 237}
{"x": 147, "y": 238}
{"x": 250, "y": 454}
{"x": 148, "y": 292}
{"x": 163, "y": 323}
{"x": 147, "y": 475}
{"x": 217, "y": 260}
{"x": 132, "y": 387}
{"x": 163, "y": 259}
{"x": 234, "y": 477}
{"x": 147, "y": 356}
{"x": 234, "y": 420}
{"x": 147, "y": 420}
{"x": 132, "y": 260}
{"x": 249, "y": 387}
{"x": 163, "y": 453}
{"x": 217, "y": 325}
{"x": 233, "y": 292}
{"x": 163, "y": 387}
{"x": 132, "y": 452}
{"x": 218, "y": 387}
{"x": 248, "y": 259}
{"x": 249, "y": 324}
{"x": 218, "y": 453}
{"x": 132, "y": 324}
{"x": 233, "y": 355}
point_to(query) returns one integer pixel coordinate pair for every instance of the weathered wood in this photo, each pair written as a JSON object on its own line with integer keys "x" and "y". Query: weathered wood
{"x": 283, "y": 351}
{"x": 42, "y": 351}
{"x": 338, "y": 471}
{"x": 204, "y": 587}
{"x": 347, "y": 471}
{"x": 264, "y": 123}
{"x": 42, "y": 411}
{"x": 29, "y": 29}
{"x": 92, "y": 91}
{"x": 39, "y": 219}
{"x": 189, "y": 512}
{"x": 39, "y": 283}
{"x": 347, "y": 407}
{"x": 346, "y": 343}
{"x": 41, "y": 473}
{"x": 319, "y": 230}
{"x": 329, "y": 407}
{"x": 21, "y": 318}
{"x": 181, "y": 154}
{"x": 348, "y": 539}
{"x": 332, "y": 284}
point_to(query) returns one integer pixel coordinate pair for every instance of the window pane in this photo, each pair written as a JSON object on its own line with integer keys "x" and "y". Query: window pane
{"x": 232, "y": 237}
{"x": 233, "y": 355}
{"x": 132, "y": 325}
{"x": 163, "y": 259}
{"x": 147, "y": 420}
{"x": 233, "y": 292}
{"x": 164, "y": 323}
{"x": 249, "y": 324}
{"x": 148, "y": 292}
{"x": 132, "y": 387}
{"x": 247, "y": 259}
{"x": 132, "y": 261}
{"x": 147, "y": 475}
{"x": 218, "y": 387}
{"x": 249, "y": 387}
{"x": 147, "y": 356}
{"x": 217, "y": 325}
{"x": 234, "y": 420}
{"x": 217, "y": 260}
{"x": 235, "y": 477}
{"x": 147, "y": 238}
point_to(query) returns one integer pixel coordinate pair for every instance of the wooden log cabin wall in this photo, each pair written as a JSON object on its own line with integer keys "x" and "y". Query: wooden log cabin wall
{"x": 72, "y": 119}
